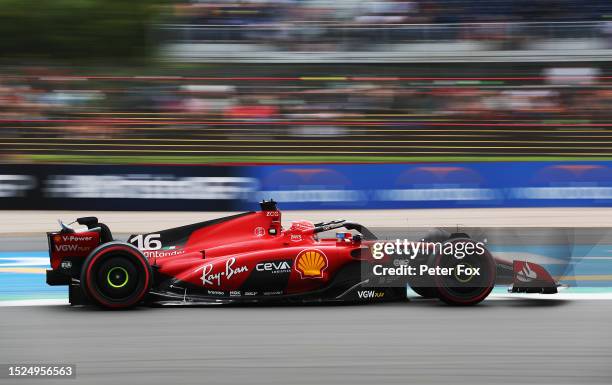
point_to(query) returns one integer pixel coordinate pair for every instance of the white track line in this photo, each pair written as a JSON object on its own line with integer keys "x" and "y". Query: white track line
{"x": 492, "y": 297}
{"x": 34, "y": 302}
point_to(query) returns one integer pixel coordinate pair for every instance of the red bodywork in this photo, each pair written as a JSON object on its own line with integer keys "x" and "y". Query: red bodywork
{"x": 222, "y": 256}
{"x": 71, "y": 245}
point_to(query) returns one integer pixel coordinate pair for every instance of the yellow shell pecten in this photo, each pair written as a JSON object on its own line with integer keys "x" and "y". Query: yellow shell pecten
{"x": 311, "y": 263}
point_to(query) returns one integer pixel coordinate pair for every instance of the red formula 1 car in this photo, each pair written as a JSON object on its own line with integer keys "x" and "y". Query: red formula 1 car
{"x": 251, "y": 258}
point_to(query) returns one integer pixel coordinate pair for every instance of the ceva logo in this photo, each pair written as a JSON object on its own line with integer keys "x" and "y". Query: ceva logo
{"x": 274, "y": 267}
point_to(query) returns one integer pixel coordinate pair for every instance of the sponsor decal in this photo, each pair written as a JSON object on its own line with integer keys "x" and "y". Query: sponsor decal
{"x": 311, "y": 263}
{"x": 74, "y": 247}
{"x": 268, "y": 275}
{"x": 250, "y": 293}
{"x": 276, "y": 292}
{"x": 401, "y": 262}
{"x": 272, "y": 214}
{"x": 370, "y": 294}
{"x": 527, "y": 274}
{"x": 215, "y": 292}
{"x": 210, "y": 278}
{"x": 74, "y": 238}
{"x": 296, "y": 237}
{"x": 71, "y": 248}
{"x": 274, "y": 267}
{"x": 74, "y": 243}
{"x": 259, "y": 231}
{"x": 162, "y": 253}
{"x": 235, "y": 293}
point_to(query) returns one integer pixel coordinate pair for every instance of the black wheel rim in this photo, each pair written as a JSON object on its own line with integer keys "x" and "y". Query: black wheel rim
{"x": 118, "y": 278}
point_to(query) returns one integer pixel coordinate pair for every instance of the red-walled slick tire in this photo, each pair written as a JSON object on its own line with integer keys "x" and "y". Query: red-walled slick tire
{"x": 116, "y": 275}
{"x": 461, "y": 288}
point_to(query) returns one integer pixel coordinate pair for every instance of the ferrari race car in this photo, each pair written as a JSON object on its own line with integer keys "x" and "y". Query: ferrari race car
{"x": 251, "y": 258}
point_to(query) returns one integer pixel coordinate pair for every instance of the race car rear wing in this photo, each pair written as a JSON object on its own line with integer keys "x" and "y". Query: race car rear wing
{"x": 68, "y": 248}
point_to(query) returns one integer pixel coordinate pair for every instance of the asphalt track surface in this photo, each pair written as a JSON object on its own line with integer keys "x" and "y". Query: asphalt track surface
{"x": 422, "y": 342}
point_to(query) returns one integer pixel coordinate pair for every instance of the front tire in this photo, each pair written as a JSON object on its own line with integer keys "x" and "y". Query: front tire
{"x": 423, "y": 285}
{"x": 461, "y": 289}
{"x": 116, "y": 275}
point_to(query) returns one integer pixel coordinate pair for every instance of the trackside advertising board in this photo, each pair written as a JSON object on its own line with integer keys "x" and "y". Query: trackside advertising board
{"x": 437, "y": 185}
{"x": 123, "y": 188}
{"x": 324, "y": 186}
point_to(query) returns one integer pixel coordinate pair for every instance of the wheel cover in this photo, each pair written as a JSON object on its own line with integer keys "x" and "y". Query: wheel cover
{"x": 465, "y": 279}
{"x": 117, "y": 277}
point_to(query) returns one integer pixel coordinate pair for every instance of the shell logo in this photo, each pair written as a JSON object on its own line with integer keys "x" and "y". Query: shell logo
{"x": 311, "y": 263}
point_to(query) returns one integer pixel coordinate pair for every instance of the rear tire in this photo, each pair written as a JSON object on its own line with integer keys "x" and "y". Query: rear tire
{"x": 116, "y": 275}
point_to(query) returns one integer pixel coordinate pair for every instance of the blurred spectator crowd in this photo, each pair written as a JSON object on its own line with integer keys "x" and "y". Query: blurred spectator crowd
{"x": 353, "y": 24}
{"x": 77, "y": 106}
{"x": 245, "y": 12}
